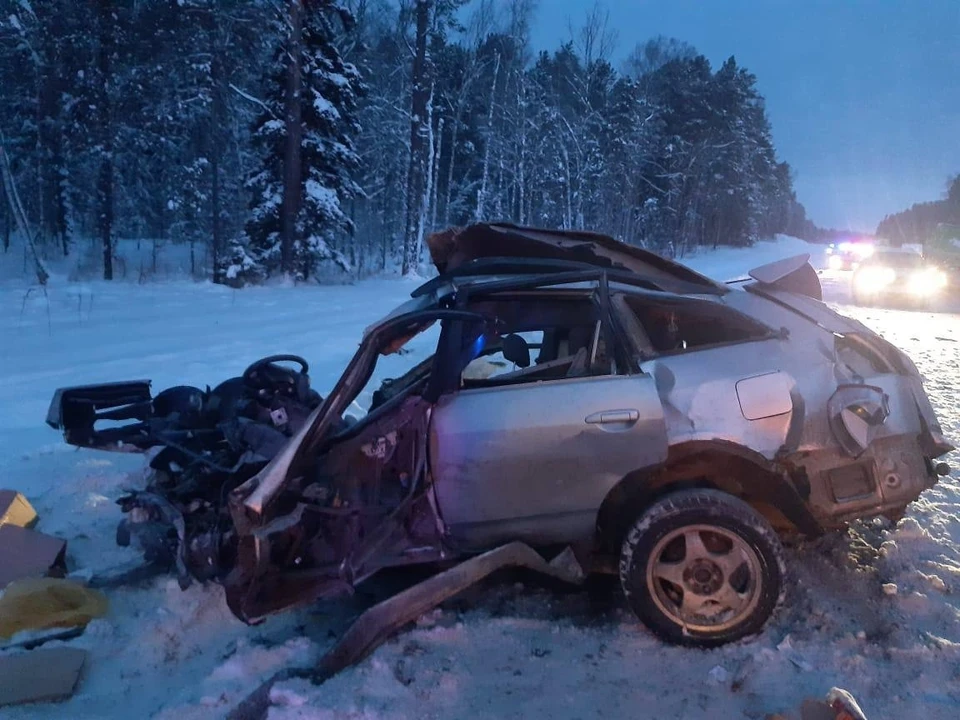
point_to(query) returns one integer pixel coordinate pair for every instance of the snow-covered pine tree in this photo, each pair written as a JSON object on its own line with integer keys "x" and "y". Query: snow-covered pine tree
{"x": 306, "y": 134}
{"x": 135, "y": 121}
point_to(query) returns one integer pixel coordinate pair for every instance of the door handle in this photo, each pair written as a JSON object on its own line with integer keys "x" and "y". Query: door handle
{"x": 607, "y": 417}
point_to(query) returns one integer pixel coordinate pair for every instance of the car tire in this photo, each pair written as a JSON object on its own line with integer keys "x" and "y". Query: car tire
{"x": 702, "y": 568}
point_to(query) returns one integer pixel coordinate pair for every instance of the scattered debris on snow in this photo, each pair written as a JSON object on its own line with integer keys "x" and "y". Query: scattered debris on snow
{"x": 719, "y": 675}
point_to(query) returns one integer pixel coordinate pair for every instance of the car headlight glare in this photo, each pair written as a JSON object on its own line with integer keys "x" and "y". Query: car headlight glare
{"x": 875, "y": 279}
{"x": 927, "y": 282}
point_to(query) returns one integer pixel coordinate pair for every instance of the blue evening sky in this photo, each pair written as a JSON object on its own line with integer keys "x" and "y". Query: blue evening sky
{"x": 863, "y": 95}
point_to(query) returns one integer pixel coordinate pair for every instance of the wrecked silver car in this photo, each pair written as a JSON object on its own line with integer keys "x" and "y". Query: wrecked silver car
{"x": 584, "y": 396}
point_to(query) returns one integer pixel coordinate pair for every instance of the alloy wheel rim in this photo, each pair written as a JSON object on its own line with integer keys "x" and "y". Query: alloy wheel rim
{"x": 704, "y": 577}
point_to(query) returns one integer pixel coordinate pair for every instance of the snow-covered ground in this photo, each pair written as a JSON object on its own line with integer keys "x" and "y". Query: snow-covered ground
{"x": 508, "y": 649}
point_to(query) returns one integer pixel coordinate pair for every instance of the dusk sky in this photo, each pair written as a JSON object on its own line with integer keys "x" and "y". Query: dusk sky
{"x": 863, "y": 95}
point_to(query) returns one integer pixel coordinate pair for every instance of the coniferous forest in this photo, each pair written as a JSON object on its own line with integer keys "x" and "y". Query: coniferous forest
{"x": 921, "y": 222}
{"x": 300, "y": 137}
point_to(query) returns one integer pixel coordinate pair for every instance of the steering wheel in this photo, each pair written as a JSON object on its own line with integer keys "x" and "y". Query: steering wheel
{"x": 265, "y": 374}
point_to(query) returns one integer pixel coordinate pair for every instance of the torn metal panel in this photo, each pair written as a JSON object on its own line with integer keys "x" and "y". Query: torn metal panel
{"x": 364, "y": 507}
{"x": 252, "y": 499}
{"x": 379, "y": 622}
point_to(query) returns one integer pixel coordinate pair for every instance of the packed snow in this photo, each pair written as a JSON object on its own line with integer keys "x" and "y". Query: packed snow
{"x": 874, "y": 610}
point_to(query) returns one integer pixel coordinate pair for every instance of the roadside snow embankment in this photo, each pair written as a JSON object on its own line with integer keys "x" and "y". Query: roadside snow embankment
{"x": 726, "y": 263}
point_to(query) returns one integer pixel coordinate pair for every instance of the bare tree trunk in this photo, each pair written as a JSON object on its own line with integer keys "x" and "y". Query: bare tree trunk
{"x": 448, "y": 191}
{"x": 384, "y": 247}
{"x": 217, "y": 125}
{"x": 64, "y": 239}
{"x": 291, "y": 159}
{"x": 465, "y": 91}
{"x": 19, "y": 214}
{"x": 429, "y": 165}
{"x": 5, "y": 227}
{"x": 105, "y": 177}
{"x": 567, "y": 191}
{"x": 216, "y": 239}
{"x": 357, "y": 254}
{"x": 417, "y": 168}
{"x": 435, "y": 173}
{"x": 522, "y": 171}
{"x": 41, "y": 177}
{"x": 482, "y": 195}
{"x": 105, "y": 214}
{"x": 52, "y": 205}
{"x": 217, "y": 213}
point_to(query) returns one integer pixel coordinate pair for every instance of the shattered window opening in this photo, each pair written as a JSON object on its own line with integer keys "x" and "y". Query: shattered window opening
{"x": 674, "y": 327}
{"x": 533, "y": 339}
{"x": 400, "y": 364}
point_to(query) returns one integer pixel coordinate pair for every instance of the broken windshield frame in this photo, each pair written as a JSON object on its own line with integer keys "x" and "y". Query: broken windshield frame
{"x": 251, "y": 499}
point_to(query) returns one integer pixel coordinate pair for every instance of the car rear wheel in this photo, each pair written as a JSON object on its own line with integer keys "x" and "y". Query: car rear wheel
{"x": 701, "y": 567}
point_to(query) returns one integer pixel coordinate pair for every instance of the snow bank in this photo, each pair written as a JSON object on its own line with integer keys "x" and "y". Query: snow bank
{"x": 727, "y": 263}
{"x": 158, "y": 648}
{"x": 134, "y": 261}
{"x": 506, "y": 651}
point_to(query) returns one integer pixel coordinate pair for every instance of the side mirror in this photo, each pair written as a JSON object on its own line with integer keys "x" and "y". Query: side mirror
{"x": 516, "y": 350}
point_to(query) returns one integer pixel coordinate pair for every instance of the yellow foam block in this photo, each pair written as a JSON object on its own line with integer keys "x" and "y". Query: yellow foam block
{"x": 15, "y": 509}
{"x": 40, "y": 603}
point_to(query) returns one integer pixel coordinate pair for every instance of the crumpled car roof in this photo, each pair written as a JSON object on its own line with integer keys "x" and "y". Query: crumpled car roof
{"x": 452, "y": 248}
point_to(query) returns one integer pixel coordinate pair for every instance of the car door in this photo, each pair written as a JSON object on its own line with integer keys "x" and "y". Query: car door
{"x": 534, "y": 461}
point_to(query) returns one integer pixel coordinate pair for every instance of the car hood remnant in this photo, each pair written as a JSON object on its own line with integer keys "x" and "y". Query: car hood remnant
{"x": 581, "y": 394}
